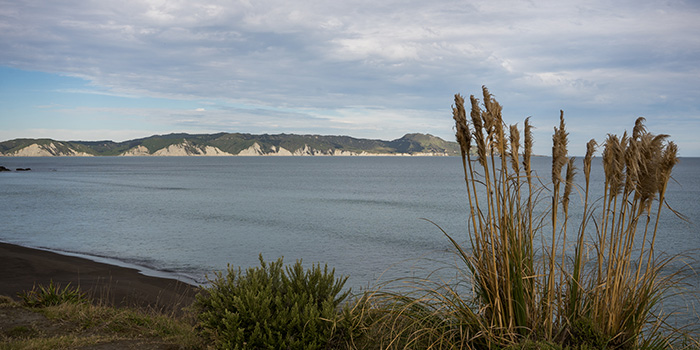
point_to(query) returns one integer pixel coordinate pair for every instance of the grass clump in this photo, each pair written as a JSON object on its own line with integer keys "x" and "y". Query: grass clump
{"x": 90, "y": 324}
{"x": 128, "y": 323}
{"x": 42, "y": 296}
{"x": 272, "y": 307}
{"x": 533, "y": 277}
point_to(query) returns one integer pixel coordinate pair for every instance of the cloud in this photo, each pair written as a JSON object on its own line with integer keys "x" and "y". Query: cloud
{"x": 319, "y": 61}
{"x": 76, "y": 134}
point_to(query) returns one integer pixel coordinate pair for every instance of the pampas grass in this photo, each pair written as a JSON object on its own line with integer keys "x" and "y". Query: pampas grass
{"x": 526, "y": 284}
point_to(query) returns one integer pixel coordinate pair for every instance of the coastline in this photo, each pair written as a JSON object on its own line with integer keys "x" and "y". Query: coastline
{"x": 142, "y": 269}
{"x": 22, "y": 268}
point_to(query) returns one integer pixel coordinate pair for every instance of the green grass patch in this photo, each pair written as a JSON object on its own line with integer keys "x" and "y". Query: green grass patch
{"x": 53, "y": 294}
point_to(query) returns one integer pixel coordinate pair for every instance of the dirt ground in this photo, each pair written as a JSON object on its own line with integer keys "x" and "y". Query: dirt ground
{"x": 21, "y": 269}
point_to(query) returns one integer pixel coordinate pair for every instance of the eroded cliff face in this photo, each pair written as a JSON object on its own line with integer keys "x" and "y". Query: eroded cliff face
{"x": 188, "y": 149}
{"x": 254, "y": 150}
{"x": 137, "y": 152}
{"x": 181, "y": 149}
{"x": 257, "y": 150}
{"x": 215, "y": 144}
{"x": 47, "y": 150}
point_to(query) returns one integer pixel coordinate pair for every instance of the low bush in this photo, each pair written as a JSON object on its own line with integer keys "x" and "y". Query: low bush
{"x": 272, "y": 307}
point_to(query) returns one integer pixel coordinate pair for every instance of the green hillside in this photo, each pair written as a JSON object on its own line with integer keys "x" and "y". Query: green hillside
{"x": 234, "y": 143}
{"x": 59, "y": 147}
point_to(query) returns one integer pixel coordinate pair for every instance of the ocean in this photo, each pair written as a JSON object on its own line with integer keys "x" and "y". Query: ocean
{"x": 185, "y": 217}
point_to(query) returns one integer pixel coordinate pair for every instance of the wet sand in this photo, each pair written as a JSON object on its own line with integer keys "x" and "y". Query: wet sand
{"x": 22, "y": 268}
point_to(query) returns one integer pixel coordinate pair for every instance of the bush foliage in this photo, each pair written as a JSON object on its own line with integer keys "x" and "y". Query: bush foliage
{"x": 272, "y": 307}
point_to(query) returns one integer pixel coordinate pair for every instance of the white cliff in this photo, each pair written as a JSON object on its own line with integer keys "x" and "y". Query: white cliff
{"x": 136, "y": 152}
{"x": 48, "y": 150}
{"x": 253, "y": 150}
{"x": 179, "y": 149}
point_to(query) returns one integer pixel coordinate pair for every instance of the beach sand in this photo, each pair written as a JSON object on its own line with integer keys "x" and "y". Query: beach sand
{"x": 22, "y": 268}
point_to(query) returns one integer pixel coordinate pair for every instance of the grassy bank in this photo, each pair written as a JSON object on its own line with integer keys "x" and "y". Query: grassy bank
{"x": 84, "y": 325}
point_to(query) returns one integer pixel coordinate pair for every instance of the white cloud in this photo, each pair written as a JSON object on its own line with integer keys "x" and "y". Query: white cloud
{"x": 77, "y": 134}
{"x": 326, "y": 57}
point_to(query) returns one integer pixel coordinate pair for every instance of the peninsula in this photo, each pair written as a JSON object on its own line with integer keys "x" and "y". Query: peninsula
{"x": 234, "y": 144}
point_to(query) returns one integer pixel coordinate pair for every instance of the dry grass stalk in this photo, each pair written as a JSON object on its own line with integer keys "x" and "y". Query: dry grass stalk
{"x": 514, "y": 148}
{"x": 527, "y": 155}
{"x": 517, "y": 296}
{"x": 574, "y": 301}
{"x": 475, "y": 115}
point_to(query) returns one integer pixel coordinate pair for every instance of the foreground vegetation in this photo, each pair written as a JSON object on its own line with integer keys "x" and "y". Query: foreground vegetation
{"x": 78, "y": 324}
{"x": 529, "y": 277}
{"x": 538, "y": 279}
{"x": 272, "y": 307}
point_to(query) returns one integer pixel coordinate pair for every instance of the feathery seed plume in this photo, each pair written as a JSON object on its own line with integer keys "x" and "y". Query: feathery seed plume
{"x": 632, "y": 159}
{"x": 499, "y": 132}
{"x": 570, "y": 172}
{"x": 650, "y": 159}
{"x": 668, "y": 160}
{"x": 514, "y": 147}
{"x": 559, "y": 149}
{"x": 612, "y": 166}
{"x": 478, "y": 129}
{"x": 639, "y": 128}
{"x": 489, "y": 119}
{"x": 462, "y": 133}
{"x": 590, "y": 149}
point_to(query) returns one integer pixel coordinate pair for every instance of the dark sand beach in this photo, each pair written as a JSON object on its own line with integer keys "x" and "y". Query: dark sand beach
{"x": 21, "y": 268}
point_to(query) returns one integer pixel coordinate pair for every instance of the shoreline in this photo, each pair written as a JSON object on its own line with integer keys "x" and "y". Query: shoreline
{"x": 21, "y": 268}
{"x": 142, "y": 269}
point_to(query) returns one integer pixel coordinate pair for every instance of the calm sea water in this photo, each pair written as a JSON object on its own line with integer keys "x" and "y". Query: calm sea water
{"x": 189, "y": 216}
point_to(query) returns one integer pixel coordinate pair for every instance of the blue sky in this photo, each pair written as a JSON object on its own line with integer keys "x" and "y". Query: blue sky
{"x": 118, "y": 70}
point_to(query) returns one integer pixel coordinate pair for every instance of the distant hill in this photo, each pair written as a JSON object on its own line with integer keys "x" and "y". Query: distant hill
{"x": 232, "y": 144}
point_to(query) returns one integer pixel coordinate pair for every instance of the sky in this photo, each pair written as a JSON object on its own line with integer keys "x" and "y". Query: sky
{"x": 118, "y": 70}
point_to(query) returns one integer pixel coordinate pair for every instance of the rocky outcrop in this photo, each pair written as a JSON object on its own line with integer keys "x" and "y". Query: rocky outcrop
{"x": 136, "y": 152}
{"x": 254, "y": 150}
{"x": 305, "y": 151}
{"x": 213, "y": 151}
{"x": 343, "y": 153}
{"x": 280, "y": 151}
{"x": 185, "y": 148}
{"x": 46, "y": 150}
{"x": 188, "y": 149}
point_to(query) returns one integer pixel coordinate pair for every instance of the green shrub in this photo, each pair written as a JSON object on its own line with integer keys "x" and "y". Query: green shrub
{"x": 534, "y": 345}
{"x": 584, "y": 332}
{"x": 272, "y": 307}
{"x": 41, "y": 296}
